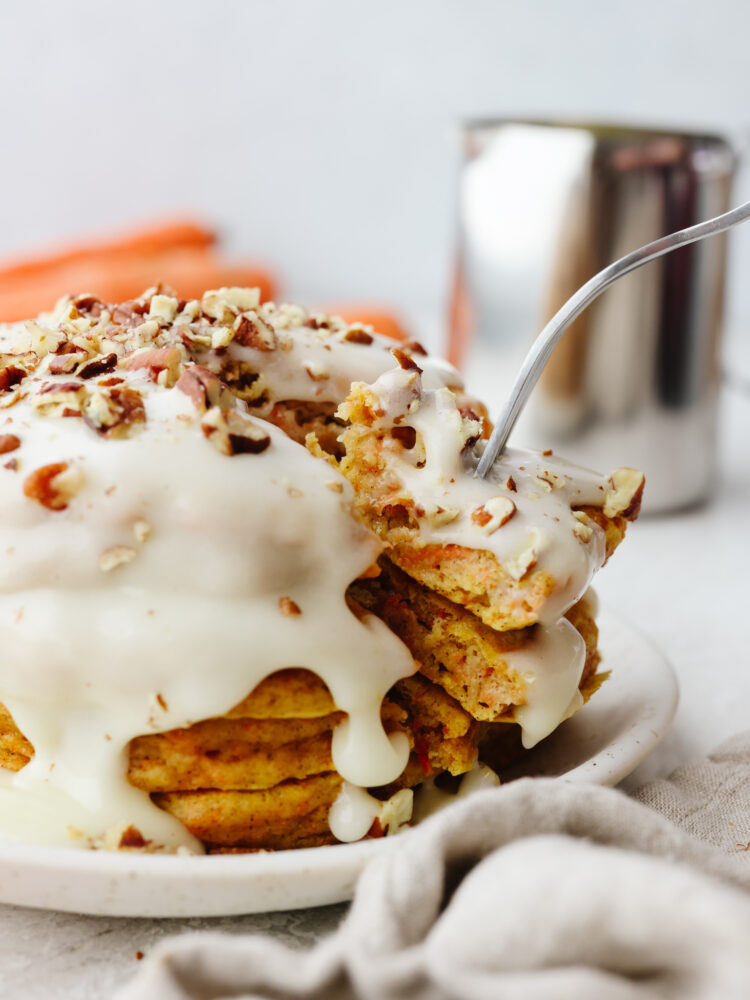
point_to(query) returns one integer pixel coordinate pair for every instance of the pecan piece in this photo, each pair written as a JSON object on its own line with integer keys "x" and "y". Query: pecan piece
{"x": 405, "y": 360}
{"x": 96, "y": 366}
{"x": 223, "y": 304}
{"x": 205, "y": 389}
{"x": 53, "y": 486}
{"x": 231, "y": 433}
{"x": 414, "y": 347}
{"x": 493, "y": 514}
{"x": 64, "y": 364}
{"x": 117, "y": 555}
{"x": 55, "y": 398}
{"x": 132, "y": 837}
{"x": 11, "y": 375}
{"x": 406, "y": 435}
{"x": 130, "y": 314}
{"x": 114, "y": 412}
{"x": 163, "y": 307}
{"x": 88, "y": 304}
{"x": 625, "y": 495}
{"x": 358, "y": 335}
{"x": 157, "y": 360}
{"x": 250, "y": 330}
{"x": 9, "y": 442}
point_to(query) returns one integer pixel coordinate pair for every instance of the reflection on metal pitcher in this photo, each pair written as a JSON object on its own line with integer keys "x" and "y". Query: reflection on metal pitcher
{"x": 544, "y": 207}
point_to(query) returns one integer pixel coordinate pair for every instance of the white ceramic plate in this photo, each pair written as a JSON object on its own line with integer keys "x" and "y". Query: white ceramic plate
{"x": 601, "y": 745}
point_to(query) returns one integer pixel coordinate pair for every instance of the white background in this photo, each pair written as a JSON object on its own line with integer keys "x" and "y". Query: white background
{"x": 320, "y": 135}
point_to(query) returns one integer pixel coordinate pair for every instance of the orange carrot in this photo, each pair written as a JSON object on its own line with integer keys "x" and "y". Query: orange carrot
{"x": 151, "y": 239}
{"x": 189, "y": 271}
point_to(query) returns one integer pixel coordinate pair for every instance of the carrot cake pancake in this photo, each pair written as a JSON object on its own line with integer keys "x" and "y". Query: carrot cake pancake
{"x": 251, "y": 593}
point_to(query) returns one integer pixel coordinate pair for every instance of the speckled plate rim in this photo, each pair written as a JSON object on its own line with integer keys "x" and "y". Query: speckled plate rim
{"x": 601, "y": 745}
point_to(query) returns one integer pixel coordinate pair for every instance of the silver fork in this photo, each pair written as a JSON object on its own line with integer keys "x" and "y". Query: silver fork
{"x": 542, "y": 347}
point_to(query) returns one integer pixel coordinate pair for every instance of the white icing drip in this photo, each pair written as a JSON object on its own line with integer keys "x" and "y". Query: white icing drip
{"x": 193, "y": 618}
{"x": 354, "y": 811}
{"x": 551, "y": 664}
{"x": 430, "y": 799}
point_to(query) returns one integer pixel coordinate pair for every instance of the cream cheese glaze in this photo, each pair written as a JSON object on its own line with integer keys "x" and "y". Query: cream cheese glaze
{"x": 184, "y": 618}
{"x": 544, "y": 531}
{"x": 193, "y": 617}
{"x": 147, "y": 576}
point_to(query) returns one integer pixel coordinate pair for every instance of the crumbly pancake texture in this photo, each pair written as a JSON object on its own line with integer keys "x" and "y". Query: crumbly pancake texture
{"x": 454, "y": 649}
{"x": 487, "y": 545}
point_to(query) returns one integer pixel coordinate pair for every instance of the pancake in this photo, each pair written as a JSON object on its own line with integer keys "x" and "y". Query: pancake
{"x": 512, "y": 549}
{"x": 454, "y": 649}
{"x": 252, "y": 594}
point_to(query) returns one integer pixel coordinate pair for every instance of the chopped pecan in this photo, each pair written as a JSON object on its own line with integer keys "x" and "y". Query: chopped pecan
{"x": 15, "y": 367}
{"x": 9, "y": 442}
{"x": 89, "y": 305}
{"x": 157, "y": 360}
{"x": 316, "y": 371}
{"x": 53, "y": 486}
{"x": 9, "y": 376}
{"x": 406, "y": 435}
{"x": 205, "y": 389}
{"x": 289, "y": 607}
{"x": 231, "y": 433}
{"x": 54, "y": 398}
{"x": 549, "y": 480}
{"x": 472, "y": 425}
{"x": 223, "y": 304}
{"x": 64, "y": 364}
{"x": 163, "y": 307}
{"x": 130, "y": 314}
{"x": 114, "y": 412}
{"x": 582, "y": 526}
{"x": 527, "y": 557}
{"x": 493, "y": 513}
{"x": 43, "y": 339}
{"x": 439, "y": 515}
{"x": 625, "y": 495}
{"x": 251, "y": 330}
{"x": 132, "y": 837}
{"x": 245, "y": 383}
{"x": 96, "y": 366}
{"x": 318, "y": 322}
{"x": 117, "y": 555}
{"x": 358, "y": 335}
{"x": 405, "y": 360}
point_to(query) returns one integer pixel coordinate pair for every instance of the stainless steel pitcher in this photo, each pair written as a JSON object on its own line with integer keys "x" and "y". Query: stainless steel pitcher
{"x": 544, "y": 206}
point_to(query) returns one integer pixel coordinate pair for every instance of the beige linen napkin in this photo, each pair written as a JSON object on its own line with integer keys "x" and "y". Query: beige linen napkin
{"x": 538, "y": 889}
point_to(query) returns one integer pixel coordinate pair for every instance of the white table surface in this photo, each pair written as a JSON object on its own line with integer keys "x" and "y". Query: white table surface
{"x": 681, "y": 579}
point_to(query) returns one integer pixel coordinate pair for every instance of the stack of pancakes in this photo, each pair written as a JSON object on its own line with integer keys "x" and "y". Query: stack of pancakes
{"x": 262, "y": 775}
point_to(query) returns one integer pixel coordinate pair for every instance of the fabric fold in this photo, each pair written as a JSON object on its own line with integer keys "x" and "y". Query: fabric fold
{"x": 540, "y": 888}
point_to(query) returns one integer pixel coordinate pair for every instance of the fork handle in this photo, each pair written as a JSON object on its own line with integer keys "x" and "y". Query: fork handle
{"x": 542, "y": 347}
